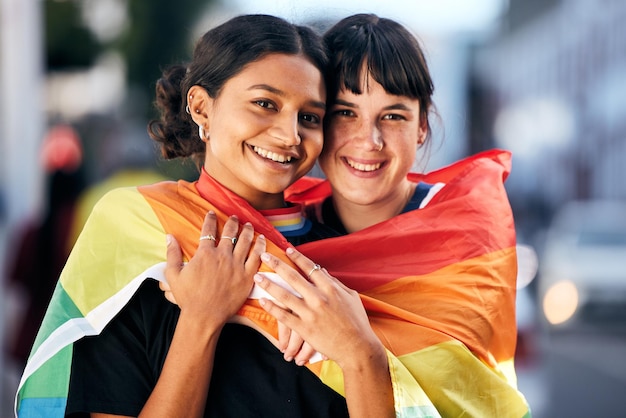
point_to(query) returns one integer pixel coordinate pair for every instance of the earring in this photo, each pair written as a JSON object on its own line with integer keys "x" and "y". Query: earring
{"x": 203, "y": 136}
{"x": 187, "y": 107}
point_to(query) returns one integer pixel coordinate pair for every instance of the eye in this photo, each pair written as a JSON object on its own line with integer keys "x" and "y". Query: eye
{"x": 310, "y": 119}
{"x": 343, "y": 112}
{"x": 394, "y": 116}
{"x": 266, "y": 104}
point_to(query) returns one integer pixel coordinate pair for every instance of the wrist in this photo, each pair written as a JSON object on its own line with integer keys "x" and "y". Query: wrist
{"x": 202, "y": 329}
{"x": 373, "y": 359}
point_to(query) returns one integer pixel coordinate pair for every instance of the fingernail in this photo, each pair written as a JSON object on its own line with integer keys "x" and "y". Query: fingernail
{"x": 257, "y": 278}
{"x": 289, "y": 250}
{"x": 248, "y": 223}
{"x": 265, "y": 257}
{"x": 262, "y": 302}
{"x": 234, "y": 217}
{"x": 288, "y": 358}
{"x": 261, "y": 236}
{"x": 168, "y": 239}
{"x": 211, "y": 212}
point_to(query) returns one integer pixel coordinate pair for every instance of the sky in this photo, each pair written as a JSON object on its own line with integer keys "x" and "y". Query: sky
{"x": 444, "y": 27}
{"x": 436, "y": 17}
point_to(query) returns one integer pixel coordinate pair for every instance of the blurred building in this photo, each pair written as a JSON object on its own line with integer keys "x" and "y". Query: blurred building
{"x": 552, "y": 89}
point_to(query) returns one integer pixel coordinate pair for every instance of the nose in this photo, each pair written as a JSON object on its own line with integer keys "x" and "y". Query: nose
{"x": 377, "y": 139}
{"x": 285, "y": 128}
{"x": 370, "y": 136}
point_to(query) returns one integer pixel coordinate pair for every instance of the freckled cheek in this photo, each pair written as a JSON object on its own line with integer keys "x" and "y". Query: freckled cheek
{"x": 323, "y": 161}
{"x": 399, "y": 139}
{"x": 334, "y": 138}
{"x": 327, "y": 152}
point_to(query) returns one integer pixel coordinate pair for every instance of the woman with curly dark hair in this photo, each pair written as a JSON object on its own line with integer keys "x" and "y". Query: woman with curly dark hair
{"x": 249, "y": 109}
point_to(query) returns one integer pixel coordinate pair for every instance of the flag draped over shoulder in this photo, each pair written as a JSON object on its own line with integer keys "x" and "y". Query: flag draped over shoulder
{"x": 438, "y": 284}
{"x": 122, "y": 244}
{"x": 439, "y": 287}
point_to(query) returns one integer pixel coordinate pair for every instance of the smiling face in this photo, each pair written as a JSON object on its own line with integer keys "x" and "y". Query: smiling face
{"x": 358, "y": 125}
{"x": 264, "y": 128}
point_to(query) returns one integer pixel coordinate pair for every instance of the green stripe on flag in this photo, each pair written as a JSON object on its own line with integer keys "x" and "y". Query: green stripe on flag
{"x": 61, "y": 310}
{"x": 51, "y": 380}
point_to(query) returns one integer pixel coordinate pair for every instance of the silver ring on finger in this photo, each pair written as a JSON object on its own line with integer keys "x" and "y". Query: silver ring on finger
{"x": 315, "y": 268}
{"x": 231, "y": 239}
{"x": 207, "y": 237}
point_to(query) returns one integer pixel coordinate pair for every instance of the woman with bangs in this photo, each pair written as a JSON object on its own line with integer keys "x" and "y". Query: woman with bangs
{"x": 420, "y": 271}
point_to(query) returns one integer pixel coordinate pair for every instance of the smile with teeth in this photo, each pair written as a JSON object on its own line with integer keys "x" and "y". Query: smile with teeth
{"x": 272, "y": 155}
{"x": 363, "y": 167}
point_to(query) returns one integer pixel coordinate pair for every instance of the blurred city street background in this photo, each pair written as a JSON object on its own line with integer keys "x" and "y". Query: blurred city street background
{"x": 545, "y": 79}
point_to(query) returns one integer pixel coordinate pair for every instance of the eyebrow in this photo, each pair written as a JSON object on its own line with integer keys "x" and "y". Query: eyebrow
{"x": 274, "y": 90}
{"x": 395, "y": 106}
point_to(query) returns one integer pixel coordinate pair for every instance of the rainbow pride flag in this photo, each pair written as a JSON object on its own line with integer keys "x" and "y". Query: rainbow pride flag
{"x": 438, "y": 284}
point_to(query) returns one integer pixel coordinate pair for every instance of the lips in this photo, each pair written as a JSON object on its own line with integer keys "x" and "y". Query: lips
{"x": 367, "y": 167}
{"x": 273, "y": 156}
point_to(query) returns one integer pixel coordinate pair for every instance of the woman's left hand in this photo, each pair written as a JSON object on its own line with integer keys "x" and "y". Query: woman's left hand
{"x": 329, "y": 316}
{"x": 293, "y": 346}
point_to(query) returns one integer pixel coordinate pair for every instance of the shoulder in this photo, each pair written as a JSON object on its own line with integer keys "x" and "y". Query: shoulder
{"x": 133, "y": 199}
{"x": 116, "y": 198}
{"x": 123, "y": 225}
{"x": 181, "y": 195}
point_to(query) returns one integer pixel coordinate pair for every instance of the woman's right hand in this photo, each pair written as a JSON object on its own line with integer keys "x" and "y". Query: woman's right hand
{"x": 217, "y": 280}
{"x": 290, "y": 343}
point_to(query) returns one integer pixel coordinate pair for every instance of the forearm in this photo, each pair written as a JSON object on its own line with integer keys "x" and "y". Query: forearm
{"x": 183, "y": 385}
{"x": 367, "y": 382}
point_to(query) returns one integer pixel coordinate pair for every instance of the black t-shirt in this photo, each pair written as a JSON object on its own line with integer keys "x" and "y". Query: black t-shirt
{"x": 116, "y": 371}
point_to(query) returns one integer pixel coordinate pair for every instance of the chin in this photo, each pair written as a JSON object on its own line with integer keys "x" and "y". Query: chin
{"x": 359, "y": 197}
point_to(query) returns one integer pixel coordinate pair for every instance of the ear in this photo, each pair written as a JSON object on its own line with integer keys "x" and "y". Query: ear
{"x": 422, "y": 131}
{"x": 200, "y": 105}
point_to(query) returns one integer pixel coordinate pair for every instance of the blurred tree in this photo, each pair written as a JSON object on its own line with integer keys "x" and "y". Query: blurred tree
{"x": 69, "y": 44}
{"x": 159, "y": 34}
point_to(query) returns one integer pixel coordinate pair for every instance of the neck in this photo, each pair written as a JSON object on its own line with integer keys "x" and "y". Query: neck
{"x": 263, "y": 201}
{"x": 258, "y": 200}
{"x": 356, "y": 217}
